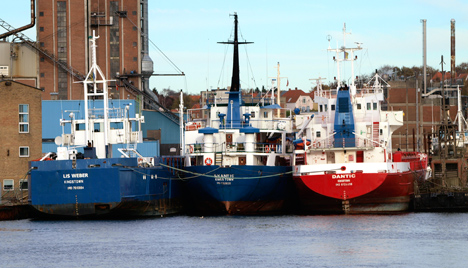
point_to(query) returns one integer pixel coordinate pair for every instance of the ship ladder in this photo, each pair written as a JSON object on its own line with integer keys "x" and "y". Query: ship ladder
{"x": 218, "y": 159}
{"x": 375, "y": 133}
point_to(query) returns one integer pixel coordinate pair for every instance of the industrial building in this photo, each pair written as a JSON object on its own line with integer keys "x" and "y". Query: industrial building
{"x": 63, "y": 28}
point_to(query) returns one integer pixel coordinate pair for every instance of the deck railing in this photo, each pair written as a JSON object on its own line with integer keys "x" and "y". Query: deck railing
{"x": 234, "y": 147}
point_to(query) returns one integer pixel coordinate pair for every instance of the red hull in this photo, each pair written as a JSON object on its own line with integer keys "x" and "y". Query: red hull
{"x": 355, "y": 193}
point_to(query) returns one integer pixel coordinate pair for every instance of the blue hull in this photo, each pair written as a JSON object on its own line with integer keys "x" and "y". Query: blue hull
{"x": 237, "y": 189}
{"x": 114, "y": 187}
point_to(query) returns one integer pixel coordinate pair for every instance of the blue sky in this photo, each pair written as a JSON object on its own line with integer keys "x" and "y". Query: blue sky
{"x": 293, "y": 33}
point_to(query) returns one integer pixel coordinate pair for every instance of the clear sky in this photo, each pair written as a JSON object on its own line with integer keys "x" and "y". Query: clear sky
{"x": 293, "y": 33}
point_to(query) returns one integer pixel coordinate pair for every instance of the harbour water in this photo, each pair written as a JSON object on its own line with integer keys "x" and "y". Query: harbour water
{"x": 404, "y": 240}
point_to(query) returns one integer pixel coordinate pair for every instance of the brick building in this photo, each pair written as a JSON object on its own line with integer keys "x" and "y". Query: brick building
{"x": 20, "y": 136}
{"x": 63, "y": 28}
{"x": 401, "y": 96}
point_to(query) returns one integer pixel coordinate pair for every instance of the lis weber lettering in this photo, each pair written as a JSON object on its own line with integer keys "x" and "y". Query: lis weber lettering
{"x": 74, "y": 178}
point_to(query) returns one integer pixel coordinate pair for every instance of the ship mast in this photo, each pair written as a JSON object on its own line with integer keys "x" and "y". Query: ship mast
{"x": 235, "y": 81}
{"x": 233, "y": 114}
{"x": 348, "y": 55}
{"x": 92, "y": 78}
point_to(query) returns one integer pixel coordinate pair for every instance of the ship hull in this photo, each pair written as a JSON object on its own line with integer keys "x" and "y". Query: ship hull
{"x": 113, "y": 187}
{"x": 369, "y": 193}
{"x": 237, "y": 190}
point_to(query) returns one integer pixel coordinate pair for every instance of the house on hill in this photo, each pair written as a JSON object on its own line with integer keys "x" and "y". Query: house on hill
{"x": 297, "y": 98}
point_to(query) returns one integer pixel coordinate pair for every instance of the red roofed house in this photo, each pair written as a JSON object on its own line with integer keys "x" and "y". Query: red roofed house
{"x": 297, "y": 98}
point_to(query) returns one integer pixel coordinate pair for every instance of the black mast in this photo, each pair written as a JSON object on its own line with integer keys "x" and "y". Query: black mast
{"x": 235, "y": 82}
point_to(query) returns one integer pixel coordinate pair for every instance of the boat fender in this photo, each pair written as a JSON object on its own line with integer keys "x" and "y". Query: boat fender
{"x": 208, "y": 161}
{"x": 267, "y": 148}
{"x": 191, "y": 149}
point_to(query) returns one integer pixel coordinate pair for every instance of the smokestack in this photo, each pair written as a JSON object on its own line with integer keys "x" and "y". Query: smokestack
{"x": 452, "y": 48}
{"x": 424, "y": 80}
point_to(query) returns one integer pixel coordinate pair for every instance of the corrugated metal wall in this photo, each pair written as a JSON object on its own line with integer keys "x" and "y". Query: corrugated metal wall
{"x": 170, "y": 132}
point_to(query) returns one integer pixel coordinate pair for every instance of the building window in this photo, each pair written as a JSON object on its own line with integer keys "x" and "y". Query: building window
{"x": 8, "y": 185}
{"x": 321, "y": 108}
{"x": 317, "y": 134}
{"x": 358, "y": 106}
{"x": 265, "y": 114}
{"x": 41, "y": 44}
{"x": 42, "y": 74}
{"x": 252, "y": 114}
{"x": 62, "y": 48}
{"x": 135, "y": 59}
{"x": 332, "y": 107}
{"x": 135, "y": 44}
{"x": 374, "y": 106}
{"x": 134, "y": 28}
{"x": 368, "y": 106}
{"x": 303, "y": 100}
{"x": 24, "y": 118}
{"x": 41, "y": 29}
{"x": 134, "y": 13}
{"x": 42, "y": 59}
{"x": 326, "y": 107}
{"x": 24, "y": 151}
{"x": 23, "y": 185}
{"x": 41, "y": 14}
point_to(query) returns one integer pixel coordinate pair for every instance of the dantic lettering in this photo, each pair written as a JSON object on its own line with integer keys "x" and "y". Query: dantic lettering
{"x": 343, "y": 176}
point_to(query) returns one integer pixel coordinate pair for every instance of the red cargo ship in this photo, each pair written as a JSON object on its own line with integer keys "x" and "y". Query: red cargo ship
{"x": 348, "y": 167}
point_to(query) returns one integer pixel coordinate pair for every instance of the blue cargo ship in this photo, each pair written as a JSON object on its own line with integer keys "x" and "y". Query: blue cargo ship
{"x": 83, "y": 179}
{"x": 237, "y": 158}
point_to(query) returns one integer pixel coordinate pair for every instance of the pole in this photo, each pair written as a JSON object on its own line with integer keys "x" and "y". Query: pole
{"x": 424, "y": 57}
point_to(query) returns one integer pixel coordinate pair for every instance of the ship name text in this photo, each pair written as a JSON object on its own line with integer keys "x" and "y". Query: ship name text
{"x": 224, "y": 179}
{"x": 74, "y": 178}
{"x": 344, "y": 179}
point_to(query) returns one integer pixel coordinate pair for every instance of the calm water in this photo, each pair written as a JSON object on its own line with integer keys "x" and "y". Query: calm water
{"x": 408, "y": 240}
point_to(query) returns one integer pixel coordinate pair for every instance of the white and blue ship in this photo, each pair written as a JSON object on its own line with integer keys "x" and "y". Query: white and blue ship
{"x": 237, "y": 158}
{"x": 85, "y": 178}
